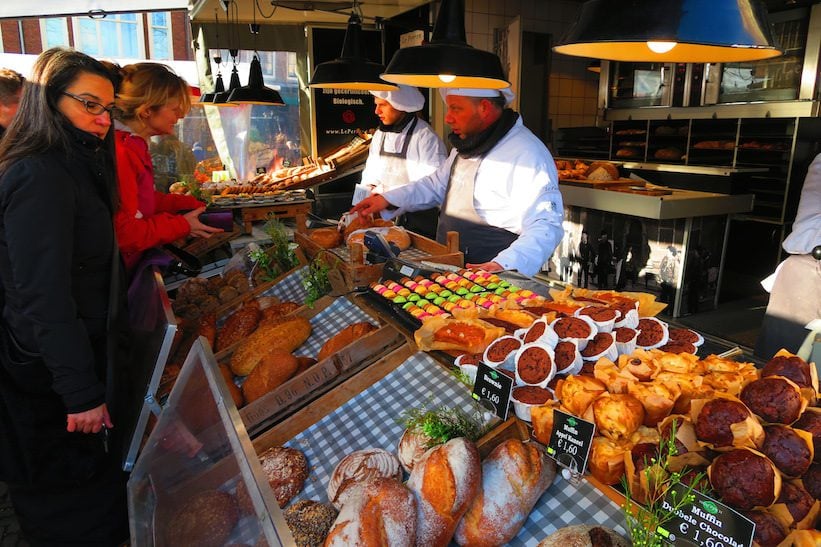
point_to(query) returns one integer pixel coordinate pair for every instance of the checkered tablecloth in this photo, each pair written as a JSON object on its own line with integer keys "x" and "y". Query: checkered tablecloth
{"x": 370, "y": 420}
{"x": 290, "y": 288}
{"x": 411, "y": 253}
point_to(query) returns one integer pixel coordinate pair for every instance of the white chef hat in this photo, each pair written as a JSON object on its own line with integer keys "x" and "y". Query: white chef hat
{"x": 406, "y": 98}
{"x": 507, "y": 93}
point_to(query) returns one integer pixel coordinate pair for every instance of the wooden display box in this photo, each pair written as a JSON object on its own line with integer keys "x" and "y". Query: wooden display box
{"x": 357, "y": 273}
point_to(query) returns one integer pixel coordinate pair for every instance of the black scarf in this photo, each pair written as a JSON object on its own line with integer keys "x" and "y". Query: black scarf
{"x": 481, "y": 143}
{"x": 95, "y": 157}
{"x": 398, "y": 126}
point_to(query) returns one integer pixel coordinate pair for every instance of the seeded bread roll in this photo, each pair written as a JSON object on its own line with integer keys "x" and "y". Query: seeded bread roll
{"x": 584, "y": 536}
{"x": 205, "y": 520}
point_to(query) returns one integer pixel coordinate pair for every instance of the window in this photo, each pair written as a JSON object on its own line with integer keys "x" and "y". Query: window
{"x": 54, "y": 32}
{"x": 291, "y": 65}
{"x": 116, "y": 35}
{"x": 160, "y": 35}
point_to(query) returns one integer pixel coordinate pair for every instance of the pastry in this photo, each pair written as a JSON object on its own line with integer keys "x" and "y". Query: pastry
{"x": 285, "y": 336}
{"x": 769, "y": 532}
{"x": 810, "y": 421}
{"x": 725, "y": 422}
{"x": 534, "y": 365}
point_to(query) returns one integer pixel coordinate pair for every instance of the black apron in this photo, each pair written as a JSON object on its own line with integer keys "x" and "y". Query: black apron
{"x": 478, "y": 240}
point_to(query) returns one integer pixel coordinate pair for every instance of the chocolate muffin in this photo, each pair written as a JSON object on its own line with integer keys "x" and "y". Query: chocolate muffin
{"x": 534, "y": 365}
{"x": 642, "y": 455}
{"x": 773, "y": 399}
{"x": 601, "y": 342}
{"x": 684, "y": 335}
{"x": 565, "y": 353}
{"x": 715, "y": 418}
{"x": 667, "y": 431}
{"x": 743, "y": 479}
{"x": 651, "y": 332}
{"x": 624, "y": 334}
{"x": 812, "y": 480}
{"x": 674, "y": 346}
{"x": 786, "y": 450}
{"x": 697, "y": 478}
{"x": 794, "y": 368}
{"x": 768, "y": 531}
{"x": 797, "y": 499}
{"x": 535, "y": 332}
{"x": 572, "y": 327}
{"x": 810, "y": 421}
{"x": 532, "y": 395}
{"x": 600, "y": 314}
{"x": 500, "y": 349}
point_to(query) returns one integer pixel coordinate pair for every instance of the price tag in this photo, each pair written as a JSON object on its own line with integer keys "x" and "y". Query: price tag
{"x": 493, "y": 388}
{"x": 570, "y": 441}
{"x": 706, "y": 522}
{"x": 261, "y": 170}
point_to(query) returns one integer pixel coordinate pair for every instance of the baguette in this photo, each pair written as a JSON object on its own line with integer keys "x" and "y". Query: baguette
{"x": 382, "y": 512}
{"x": 444, "y": 481}
{"x": 346, "y": 336}
{"x": 514, "y": 476}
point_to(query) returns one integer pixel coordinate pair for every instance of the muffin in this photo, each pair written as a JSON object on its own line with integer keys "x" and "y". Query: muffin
{"x": 715, "y": 421}
{"x": 744, "y": 479}
{"x": 775, "y": 399}
{"x": 810, "y": 421}
{"x": 789, "y": 449}
{"x": 535, "y": 365}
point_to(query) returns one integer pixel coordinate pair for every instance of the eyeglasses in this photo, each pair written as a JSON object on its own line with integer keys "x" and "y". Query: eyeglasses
{"x": 92, "y": 107}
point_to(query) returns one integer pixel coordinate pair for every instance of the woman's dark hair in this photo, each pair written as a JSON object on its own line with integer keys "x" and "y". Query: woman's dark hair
{"x": 39, "y": 125}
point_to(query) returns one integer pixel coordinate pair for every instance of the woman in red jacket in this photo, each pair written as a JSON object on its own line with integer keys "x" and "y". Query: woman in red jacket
{"x": 151, "y": 100}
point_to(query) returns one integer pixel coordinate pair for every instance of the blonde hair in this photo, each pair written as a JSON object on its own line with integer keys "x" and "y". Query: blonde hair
{"x": 146, "y": 86}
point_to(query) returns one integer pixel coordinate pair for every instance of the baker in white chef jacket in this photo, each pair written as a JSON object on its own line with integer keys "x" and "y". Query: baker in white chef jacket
{"x": 404, "y": 148}
{"x": 498, "y": 188}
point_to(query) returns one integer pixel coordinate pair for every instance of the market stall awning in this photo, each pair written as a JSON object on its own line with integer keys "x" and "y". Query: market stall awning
{"x": 62, "y": 8}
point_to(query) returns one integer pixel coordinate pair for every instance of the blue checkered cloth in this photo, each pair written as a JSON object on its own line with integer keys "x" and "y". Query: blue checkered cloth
{"x": 370, "y": 420}
{"x": 290, "y": 288}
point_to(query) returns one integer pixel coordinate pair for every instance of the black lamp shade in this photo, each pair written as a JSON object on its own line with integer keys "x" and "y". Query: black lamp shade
{"x": 256, "y": 92}
{"x": 219, "y": 87}
{"x": 704, "y": 31}
{"x": 221, "y": 99}
{"x": 351, "y": 70}
{"x": 447, "y": 61}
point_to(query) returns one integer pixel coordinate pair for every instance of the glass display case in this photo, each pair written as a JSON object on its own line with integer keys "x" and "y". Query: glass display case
{"x": 634, "y": 85}
{"x": 198, "y": 476}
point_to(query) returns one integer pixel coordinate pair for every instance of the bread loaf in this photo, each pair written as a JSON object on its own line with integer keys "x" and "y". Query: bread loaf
{"x": 239, "y": 325}
{"x": 397, "y": 236}
{"x": 286, "y": 336}
{"x": 444, "y": 482}
{"x": 584, "y": 536}
{"x": 602, "y": 170}
{"x": 344, "y": 337}
{"x": 205, "y": 520}
{"x": 273, "y": 370}
{"x": 514, "y": 476}
{"x": 360, "y": 467}
{"x": 383, "y": 513}
{"x": 286, "y": 470}
{"x": 327, "y": 238}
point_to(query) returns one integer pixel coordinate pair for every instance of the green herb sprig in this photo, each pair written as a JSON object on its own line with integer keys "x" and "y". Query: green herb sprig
{"x": 316, "y": 281}
{"x": 265, "y": 263}
{"x": 443, "y": 424}
{"x": 282, "y": 251}
{"x": 643, "y": 521}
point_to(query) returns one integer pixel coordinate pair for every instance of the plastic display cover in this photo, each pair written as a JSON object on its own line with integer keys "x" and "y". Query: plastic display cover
{"x": 200, "y": 446}
{"x": 153, "y": 327}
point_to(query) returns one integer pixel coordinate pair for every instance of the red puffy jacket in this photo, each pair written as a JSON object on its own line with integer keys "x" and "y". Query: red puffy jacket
{"x": 146, "y": 218}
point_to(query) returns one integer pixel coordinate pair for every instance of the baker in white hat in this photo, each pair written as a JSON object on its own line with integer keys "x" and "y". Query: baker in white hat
{"x": 498, "y": 188}
{"x": 404, "y": 148}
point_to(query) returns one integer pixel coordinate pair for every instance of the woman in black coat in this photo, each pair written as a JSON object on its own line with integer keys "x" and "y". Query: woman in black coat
{"x": 60, "y": 273}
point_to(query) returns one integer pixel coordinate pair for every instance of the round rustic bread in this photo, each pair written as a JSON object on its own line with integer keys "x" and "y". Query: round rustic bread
{"x": 206, "y": 519}
{"x": 310, "y": 521}
{"x": 286, "y": 470}
{"x": 360, "y": 466}
{"x": 584, "y": 535}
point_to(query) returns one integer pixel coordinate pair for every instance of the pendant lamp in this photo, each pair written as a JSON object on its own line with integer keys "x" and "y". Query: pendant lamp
{"x": 219, "y": 87}
{"x": 351, "y": 70}
{"x": 448, "y": 60}
{"x": 256, "y": 92}
{"x": 221, "y": 99}
{"x": 671, "y": 31}
{"x": 594, "y": 66}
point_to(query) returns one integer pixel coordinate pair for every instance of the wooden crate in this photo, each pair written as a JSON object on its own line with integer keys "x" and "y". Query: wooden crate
{"x": 296, "y": 210}
{"x": 351, "y": 259}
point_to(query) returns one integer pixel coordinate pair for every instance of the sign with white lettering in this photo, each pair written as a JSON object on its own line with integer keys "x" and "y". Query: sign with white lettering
{"x": 706, "y": 523}
{"x": 570, "y": 441}
{"x": 493, "y": 388}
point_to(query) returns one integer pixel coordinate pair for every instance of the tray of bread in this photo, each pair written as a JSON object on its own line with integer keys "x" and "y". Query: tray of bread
{"x": 599, "y": 174}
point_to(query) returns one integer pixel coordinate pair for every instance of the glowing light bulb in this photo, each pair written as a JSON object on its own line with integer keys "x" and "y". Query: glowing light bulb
{"x": 661, "y": 47}
{"x": 447, "y": 78}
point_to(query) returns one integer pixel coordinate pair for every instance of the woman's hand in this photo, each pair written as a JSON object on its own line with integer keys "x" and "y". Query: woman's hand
{"x": 198, "y": 229}
{"x": 90, "y": 421}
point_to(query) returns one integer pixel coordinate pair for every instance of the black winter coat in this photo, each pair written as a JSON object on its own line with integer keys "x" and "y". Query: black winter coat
{"x": 56, "y": 253}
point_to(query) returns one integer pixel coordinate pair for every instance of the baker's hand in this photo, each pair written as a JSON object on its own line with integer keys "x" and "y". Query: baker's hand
{"x": 198, "y": 229}
{"x": 90, "y": 421}
{"x": 370, "y": 205}
{"x": 489, "y": 267}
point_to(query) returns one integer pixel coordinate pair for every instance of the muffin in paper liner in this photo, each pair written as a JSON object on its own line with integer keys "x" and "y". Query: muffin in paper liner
{"x": 640, "y": 364}
{"x": 544, "y": 370}
{"x": 774, "y": 399}
{"x": 810, "y": 420}
{"x": 502, "y": 352}
{"x": 563, "y": 351}
{"x": 657, "y": 398}
{"x": 686, "y": 335}
{"x": 576, "y": 393}
{"x": 795, "y": 508}
{"x": 805, "y": 374}
{"x": 606, "y": 461}
{"x": 790, "y": 450}
{"x": 747, "y": 487}
{"x": 616, "y": 379}
{"x": 603, "y": 317}
{"x": 559, "y": 326}
{"x": 617, "y": 416}
{"x": 802, "y": 538}
{"x": 540, "y": 331}
{"x": 653, "y": 333}
{"x": 604, "y": 343}
{"x": 723, "y": 423}
{"x": 642, "y": 470}
{"x": 525, "y": 398}
{"x": 629, "y": 319}
{"x": 628, "y": 345}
